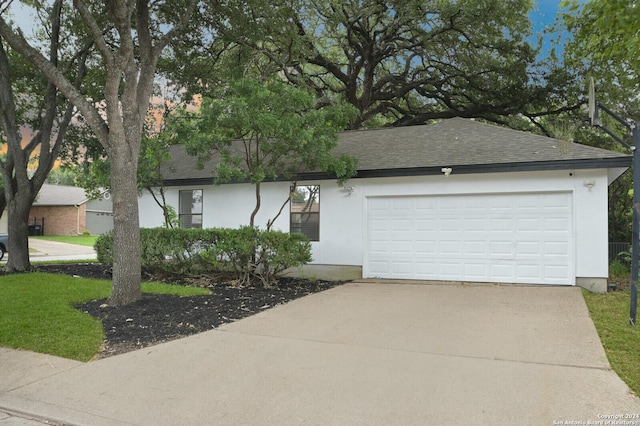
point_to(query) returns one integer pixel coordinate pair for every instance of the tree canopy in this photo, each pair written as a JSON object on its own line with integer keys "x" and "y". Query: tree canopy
{"x": 269, "y": 130}
{"x": 408, "y": 61}
{"x": 129, "y": 38}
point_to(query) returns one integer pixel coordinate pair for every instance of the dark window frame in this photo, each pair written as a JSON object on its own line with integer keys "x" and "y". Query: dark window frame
{"x": 183, "y": 216}
{"x": 304, "y": 217}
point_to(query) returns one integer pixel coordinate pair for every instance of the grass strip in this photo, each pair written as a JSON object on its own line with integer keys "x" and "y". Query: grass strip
{"x": 621, "y": 342}
{"x": 81, "y": 240}
{"x": 37, "y": 314}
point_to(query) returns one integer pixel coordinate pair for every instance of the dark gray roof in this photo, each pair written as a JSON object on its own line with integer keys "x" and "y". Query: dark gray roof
{"x": 60, "y": 195}
{"x": 465, "y": 145}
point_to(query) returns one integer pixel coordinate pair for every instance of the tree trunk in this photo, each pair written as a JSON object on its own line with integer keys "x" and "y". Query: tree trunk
{"x": 18, "y": 208}
{"x": 252, "y": 219}
{"x": 126, "y": 233}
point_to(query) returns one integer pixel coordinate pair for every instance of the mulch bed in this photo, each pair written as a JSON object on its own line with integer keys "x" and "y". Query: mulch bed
{"x": 160, "y": 318}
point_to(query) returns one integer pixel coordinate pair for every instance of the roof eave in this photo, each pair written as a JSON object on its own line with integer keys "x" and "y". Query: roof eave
{"x": 532, "y": 166}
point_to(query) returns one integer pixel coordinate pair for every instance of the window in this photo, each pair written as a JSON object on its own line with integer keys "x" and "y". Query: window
{"x": 305, "y": 211}
{"x": 191, "y": 208}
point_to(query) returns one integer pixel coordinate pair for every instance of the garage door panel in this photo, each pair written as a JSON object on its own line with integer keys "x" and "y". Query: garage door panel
{"x": 504, "y": 238}
{"x": 424, "y": 248}
{"x": 500, "y": 224}
{"x": 402, "y": 247}
{"x": 402, "y": 268}
{"x": 475, "y": 248}
{"x": 528, "y": 224}
{"x": 556, "y": 248}
{"x": 560, "y": 224}
{"x": 528, "y": 273}
{"x": 475, "y": 224}
{"x": 501, "y": 248}
{"x": 475, "y": 271}
{"x": 450, "y": 271}
{"x": 402, "y": 203}
{"x": 501, "y": 272}
{"x": 556, "y": 271}
{"x": 528, "y": 248}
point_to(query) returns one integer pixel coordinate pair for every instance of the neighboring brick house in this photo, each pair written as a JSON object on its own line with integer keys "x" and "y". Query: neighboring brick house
{"x": 66, "y": 210}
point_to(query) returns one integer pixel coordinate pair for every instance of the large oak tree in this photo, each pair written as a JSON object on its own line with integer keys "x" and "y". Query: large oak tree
{"x": 407, "y": 61}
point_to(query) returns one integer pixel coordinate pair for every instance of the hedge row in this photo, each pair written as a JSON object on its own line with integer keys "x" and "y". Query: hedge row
{"x": 246, "y": 252}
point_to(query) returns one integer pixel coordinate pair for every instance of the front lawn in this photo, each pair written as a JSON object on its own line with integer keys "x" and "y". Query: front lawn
{"x": 610, "y": 314}
{"x": 37, "y": 314}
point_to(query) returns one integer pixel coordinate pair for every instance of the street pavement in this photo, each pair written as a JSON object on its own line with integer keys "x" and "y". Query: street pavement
{"x": 44, "y": 250}
{"x": 364, "y": 353}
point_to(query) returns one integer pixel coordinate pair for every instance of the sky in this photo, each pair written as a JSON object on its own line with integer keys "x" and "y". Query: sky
{"x": 543, "y": 16}
{"x": 545, "y": 13}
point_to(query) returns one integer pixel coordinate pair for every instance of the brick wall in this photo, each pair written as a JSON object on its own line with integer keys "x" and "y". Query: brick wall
{"x": 60, "y": 220}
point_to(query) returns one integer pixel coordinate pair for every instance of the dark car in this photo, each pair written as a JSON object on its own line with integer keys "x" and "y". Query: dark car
{"x": 4, "y": 243}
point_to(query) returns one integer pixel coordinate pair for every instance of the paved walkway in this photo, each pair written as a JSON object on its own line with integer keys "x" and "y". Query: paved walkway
{"x": 42, "y": 250}
{"x": 361, "y": 353}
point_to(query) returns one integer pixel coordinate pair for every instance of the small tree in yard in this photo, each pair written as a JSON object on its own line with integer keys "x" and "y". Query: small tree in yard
{"x": 269, "y": 130}
{"x": 29, "y": 101}
{"x": 129, "y": 38}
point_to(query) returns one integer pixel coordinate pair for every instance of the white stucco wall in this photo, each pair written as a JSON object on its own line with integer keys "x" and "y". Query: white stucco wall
{"x": 343, "y": 216}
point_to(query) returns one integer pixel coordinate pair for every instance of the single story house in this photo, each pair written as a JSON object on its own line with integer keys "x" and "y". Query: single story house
{"x": 458, "y": 200}
{"x": 66, "y": 210}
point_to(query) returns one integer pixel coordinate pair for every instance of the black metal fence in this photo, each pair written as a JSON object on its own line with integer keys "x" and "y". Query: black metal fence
{"x": 620, "y": 252}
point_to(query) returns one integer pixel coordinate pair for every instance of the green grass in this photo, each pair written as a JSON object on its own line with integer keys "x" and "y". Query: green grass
{"x": 79, "y": 240}
{"x": 35, "y": 261}
{"x": 610, "y": 314}
{"x": 37, "y": 314}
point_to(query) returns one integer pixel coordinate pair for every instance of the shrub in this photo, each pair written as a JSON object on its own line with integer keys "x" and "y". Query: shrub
{"x": 278, "y": 251}
{"x": 245, "y": 252}
{"x": 104, "y": 248}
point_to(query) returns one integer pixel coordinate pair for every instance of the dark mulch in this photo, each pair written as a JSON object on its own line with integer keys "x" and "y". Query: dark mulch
{"x": 160, "y": 318}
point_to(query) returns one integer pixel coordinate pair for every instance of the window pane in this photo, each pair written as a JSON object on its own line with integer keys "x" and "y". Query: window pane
{"x": 305, "y": 211}
{"x": 190, "y": 208}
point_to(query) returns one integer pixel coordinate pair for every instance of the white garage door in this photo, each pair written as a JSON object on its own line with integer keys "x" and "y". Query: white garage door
{"x": 511, "y": 238}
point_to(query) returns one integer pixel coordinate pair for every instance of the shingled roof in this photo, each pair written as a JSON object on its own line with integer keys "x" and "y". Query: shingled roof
{"x": 465, "y": 145}
{"x": 60, "y": 195}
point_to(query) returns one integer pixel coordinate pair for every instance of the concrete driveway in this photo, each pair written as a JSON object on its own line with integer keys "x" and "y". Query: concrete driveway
{"x": 362, "y": 353}
{"x": 54, "y": 250}
{"x": 44, "y": 250}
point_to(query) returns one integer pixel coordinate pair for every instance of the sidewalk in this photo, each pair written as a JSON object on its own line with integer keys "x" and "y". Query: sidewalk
{"x": 43, "y": 250}
{"x": 360, "y": 353}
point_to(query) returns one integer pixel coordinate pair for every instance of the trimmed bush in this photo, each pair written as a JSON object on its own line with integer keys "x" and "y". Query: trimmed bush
{"x": 245, "y": 252}
{"x": 278, "y": 251}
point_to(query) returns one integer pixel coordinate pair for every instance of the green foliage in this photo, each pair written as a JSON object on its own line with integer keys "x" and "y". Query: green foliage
{"x": 37, "y": 314}
{"x": 279, "y": 251}
{"x": 277, "y": 129}
{"x": 617, "y": 268}
{"x": 104, "y": 248}
{"x": 607, "y": 30}
{"x": 410, "y": 60}
{"x": 245, "y": 253}
{"x": 63, "y": 175}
